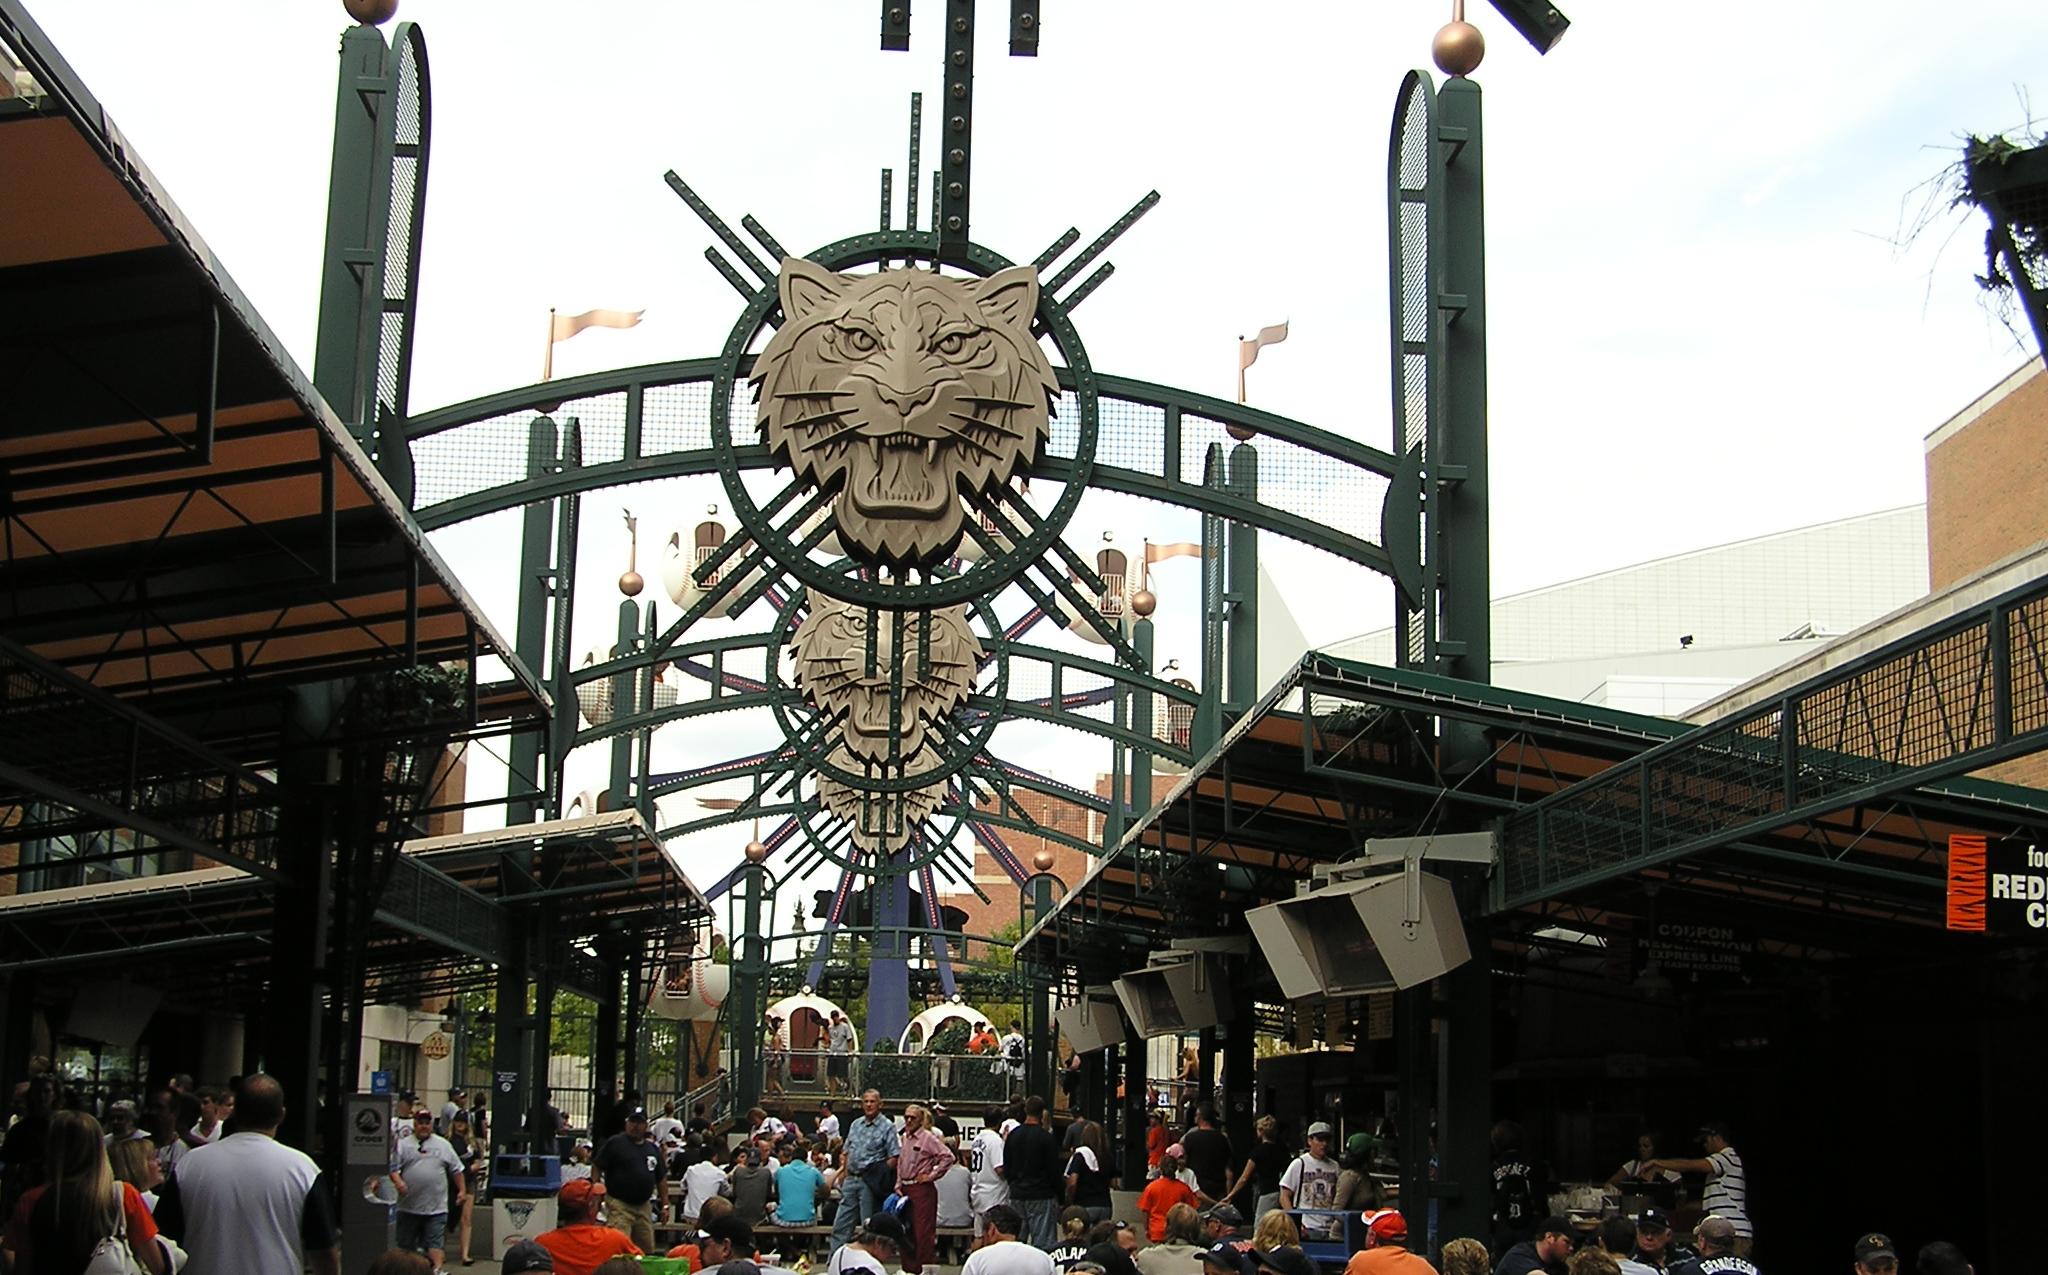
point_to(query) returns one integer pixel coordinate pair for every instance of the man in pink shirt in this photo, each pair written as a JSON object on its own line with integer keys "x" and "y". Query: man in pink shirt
{"x": 919, "y": 1166}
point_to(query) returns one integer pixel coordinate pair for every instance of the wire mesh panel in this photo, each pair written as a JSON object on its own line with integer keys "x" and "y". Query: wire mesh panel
{"x": 1925, "y": 708}
{"x": 1414, "y": 181}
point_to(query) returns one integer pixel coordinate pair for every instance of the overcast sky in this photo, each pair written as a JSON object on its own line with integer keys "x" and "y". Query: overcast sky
{"x": 1702, "y": 324}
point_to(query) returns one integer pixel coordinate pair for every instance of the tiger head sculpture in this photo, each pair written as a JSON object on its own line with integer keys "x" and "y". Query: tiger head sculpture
{"x": 904, "y": 389}
{"x": 936, "y": 662}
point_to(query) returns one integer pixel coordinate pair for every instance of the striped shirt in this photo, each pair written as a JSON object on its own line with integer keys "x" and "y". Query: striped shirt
{"x": 1727, "y": 1193}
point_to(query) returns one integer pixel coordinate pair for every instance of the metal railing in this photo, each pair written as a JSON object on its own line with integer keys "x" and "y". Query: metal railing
{"x": 1951, "y": 698}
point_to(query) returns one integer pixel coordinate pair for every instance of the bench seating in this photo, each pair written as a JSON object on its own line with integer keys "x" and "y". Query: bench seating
{"x": 954, "y": 1240}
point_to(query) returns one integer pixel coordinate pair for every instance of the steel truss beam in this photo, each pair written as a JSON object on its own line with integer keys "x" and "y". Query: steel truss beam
{"x": 1952, "y": 698}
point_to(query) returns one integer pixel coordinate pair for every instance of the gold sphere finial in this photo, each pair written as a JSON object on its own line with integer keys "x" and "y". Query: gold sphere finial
{"x": 1144, "y": 602}
{"x": 631, "y": 583}
{"x": 1458, "y": 48}
{"x": 756, "y": 851}
{"x": 1242, "y": 433}
{"x": 374, "y": 12}
{"x": 1042, "y": 859}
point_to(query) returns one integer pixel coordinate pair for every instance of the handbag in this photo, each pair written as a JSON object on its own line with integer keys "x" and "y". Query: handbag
{"x": 112, "y": 1256}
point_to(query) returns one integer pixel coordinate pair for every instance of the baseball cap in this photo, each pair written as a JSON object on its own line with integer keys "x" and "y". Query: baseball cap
{"x": 1653, "y": 1220}
{"x": 1177, "y": 1151}
{"x": 1321, "y": 1129}
{"x": 1388, "y": 1224}
{"x": 637, "y": 1113}
{"x": 1287, "y": 1260}
{"x": 1875, "y": 1245}
{"x": 1711, "y": 1126}
{"x": 1224, "y": 1254}
{"x": 1716, "y": 1228}
{"x": 581, "y": 1193}
{"x": 525, "y": 1255}
{"x": 1224, "y": 1213}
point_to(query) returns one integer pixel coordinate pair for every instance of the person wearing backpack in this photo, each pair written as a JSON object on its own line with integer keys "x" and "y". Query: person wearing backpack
{"x": 82, "y": 1220}
{"x": 1013, "y": 1055}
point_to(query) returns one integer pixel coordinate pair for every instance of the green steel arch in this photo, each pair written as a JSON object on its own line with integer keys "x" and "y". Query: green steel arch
{"x": 1326, "y": 466}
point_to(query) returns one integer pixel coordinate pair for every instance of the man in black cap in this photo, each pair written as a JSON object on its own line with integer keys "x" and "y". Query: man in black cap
{"x": 1715, "y": 1237}
{"x": 1285, "y": 1260}
{"x": 1225, "y": 1258}
{"x": 1876, "y": 1256}
{"x": 1546, "y": 1250}
{"x": 633, "y": 1171}
{"x": 1222, "y": 1222}
{"x": 523, "y": 1256}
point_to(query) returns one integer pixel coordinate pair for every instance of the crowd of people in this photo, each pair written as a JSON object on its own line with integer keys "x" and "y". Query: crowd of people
{"x": 1036, "y": 1201}
{"x": 195, "y": 1181}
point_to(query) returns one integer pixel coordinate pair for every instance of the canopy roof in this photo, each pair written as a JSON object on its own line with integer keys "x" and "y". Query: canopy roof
{"x": 185, "y": 523}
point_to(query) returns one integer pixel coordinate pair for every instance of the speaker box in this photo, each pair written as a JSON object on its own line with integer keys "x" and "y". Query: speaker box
{"x": 1104, "y": 1025}
{"x": 112, "y": 1013}
{"x": 1347, "y": 939}
{"x": 1178, "y": 996}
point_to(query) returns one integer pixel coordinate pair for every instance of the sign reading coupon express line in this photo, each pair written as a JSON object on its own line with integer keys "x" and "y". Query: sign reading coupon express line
{"x": 1997, "y": 886}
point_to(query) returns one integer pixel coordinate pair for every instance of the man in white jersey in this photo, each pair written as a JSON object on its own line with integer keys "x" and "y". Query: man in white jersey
{"x": 1727, "y": 1193}
{"x": 249, "y": 1205}
{"x": 987, "y": 1187}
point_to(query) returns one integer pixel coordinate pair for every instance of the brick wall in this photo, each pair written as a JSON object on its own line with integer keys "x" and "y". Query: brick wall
{"x": 1987, "y": 498}
{"x": 1987, "y": 479}
{"x": 1069, "y": 865}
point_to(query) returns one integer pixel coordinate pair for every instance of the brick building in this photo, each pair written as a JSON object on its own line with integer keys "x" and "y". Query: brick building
{"x": 1069, "y": 865}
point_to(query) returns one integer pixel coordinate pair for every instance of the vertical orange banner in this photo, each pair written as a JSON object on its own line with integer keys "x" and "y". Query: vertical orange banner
{"x": 1966, "y": 859}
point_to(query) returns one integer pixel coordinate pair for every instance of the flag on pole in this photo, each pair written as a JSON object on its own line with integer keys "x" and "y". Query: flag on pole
{"x": 1160, "y": 553}
{"x": 563, "y": 326}
{"x": 1248, "y": 351}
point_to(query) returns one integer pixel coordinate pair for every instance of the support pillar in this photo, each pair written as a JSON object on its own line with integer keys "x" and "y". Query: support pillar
{"x": 1205, "y": 1069}
{"x": 1465, "y": 1106}
{"x": 509, "y": 1050}
{"x": 749, "y": 974}
{"x": 17, "y": 1024}
{"x": 1415, "y": 1073}
{"x": 1240, "y": 1087}
{"x": 530, "y": 634}
{"x": 1094, "y": 1102}
{"x": 1134, "y": 1107}
{"x": 541, "y": 1042}
{"x": 309, "y": 777}
{"x": 636, "y": 1013}
{"x": 604, "y": 1066}
{"x": 1241, "y": 576}
{"x": 1041, "y": 1036}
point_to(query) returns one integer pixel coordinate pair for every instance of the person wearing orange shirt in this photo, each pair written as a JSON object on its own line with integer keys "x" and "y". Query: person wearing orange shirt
{"x": 1163, "y": 1192}
{"x": 1156, "y": 1141}
{"x": 580, "y": 1244}
{"x": 1386, "y": 1248}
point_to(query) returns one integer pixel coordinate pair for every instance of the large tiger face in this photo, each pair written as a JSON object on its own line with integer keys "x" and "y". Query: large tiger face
{"x": 903, "y": 390}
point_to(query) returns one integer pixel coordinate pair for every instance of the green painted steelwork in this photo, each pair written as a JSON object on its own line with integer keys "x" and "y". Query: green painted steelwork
{"x": 1949, "y": 699}
{"x": 377, "y": 194}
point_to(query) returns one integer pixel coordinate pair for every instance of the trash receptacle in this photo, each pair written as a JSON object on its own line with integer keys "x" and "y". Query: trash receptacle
{"x": 523, "y": 1189}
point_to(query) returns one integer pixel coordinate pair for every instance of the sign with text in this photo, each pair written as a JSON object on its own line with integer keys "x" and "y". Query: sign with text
{"x": 1684, "y": 947}
{"x": 507, "y": 1081}
{"x": 380, "y": 1082}
{"x": 1997, "y": 886}
{"x": 437, "y": 1046}
{"x": 369, "y": 1130}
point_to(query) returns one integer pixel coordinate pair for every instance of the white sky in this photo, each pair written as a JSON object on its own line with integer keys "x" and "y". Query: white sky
{"x": 1701, "y": 328}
